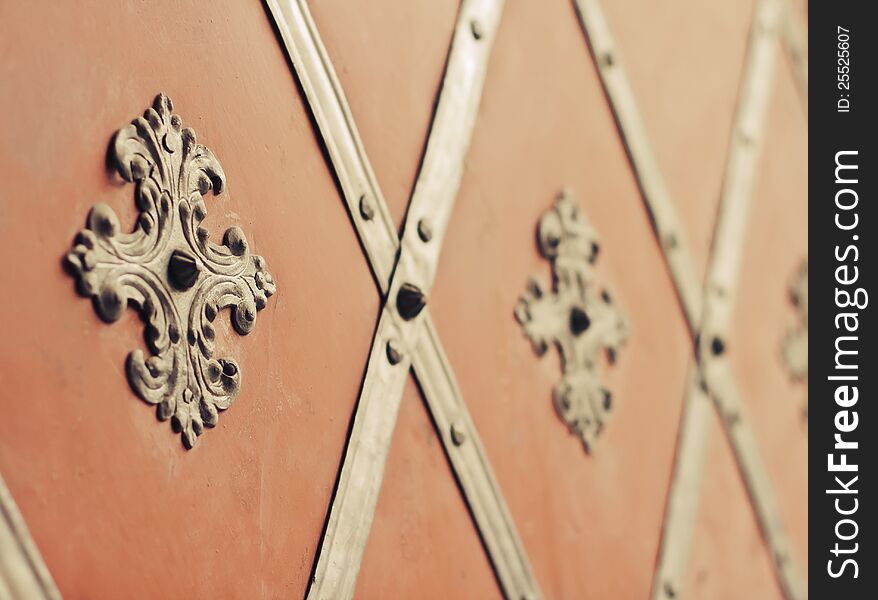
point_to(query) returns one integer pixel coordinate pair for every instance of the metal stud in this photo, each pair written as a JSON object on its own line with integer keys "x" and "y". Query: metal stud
{"x": 394, "y": 354}
{"x": 458, "y": 434}
{"x": 476, "y": 28}
{"x": 425, "y": 232}
{"x": 410, "y": 301}
{"x": 366, "y": 210}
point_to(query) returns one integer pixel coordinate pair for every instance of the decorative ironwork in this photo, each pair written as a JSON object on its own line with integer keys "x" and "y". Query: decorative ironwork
{"x": 353, "y": 507}
{"x": 795, "y": 343}
{"x": 170, "y": 272}
{"x": 576, "y": 317}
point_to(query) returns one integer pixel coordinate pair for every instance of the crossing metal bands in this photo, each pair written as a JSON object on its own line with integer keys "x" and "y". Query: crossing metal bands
{"x": 352, "y": 512}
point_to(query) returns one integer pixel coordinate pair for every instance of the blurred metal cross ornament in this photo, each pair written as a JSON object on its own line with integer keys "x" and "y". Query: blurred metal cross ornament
{"x": 575, "y": 316}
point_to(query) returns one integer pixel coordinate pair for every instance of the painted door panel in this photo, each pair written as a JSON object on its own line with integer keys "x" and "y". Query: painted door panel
{"x": 116, "y": 505}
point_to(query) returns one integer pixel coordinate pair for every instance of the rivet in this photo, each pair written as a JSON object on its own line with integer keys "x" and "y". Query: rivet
{"x": 608, "y": 59}
{"x": 669, "y": 590}
{"x": 183, "y": 270}
{"x": 394, "y": 354}
{"x": 425, "y": 232}
{"x": 717, "y": 346}
{"x": 458, "y": 435}
{"x": 702, "y": 383}
{"x": 732, "y": 419}
{"x": 366, "y": 210}
{"x": 608, "y": 400}
{"x": 410, "y": 301}
{"x": 476, "y": 29}
{"x": 579, "y": 321}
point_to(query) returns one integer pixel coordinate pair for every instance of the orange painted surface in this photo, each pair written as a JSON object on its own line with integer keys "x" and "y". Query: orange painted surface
{"x": 115, "y": 504}
{"x": 684, "y": 59}
{"x": 423, "y": 544}
{"x": 728, "y": 558}
{"x": 776, "y": 244}
{"x": 590, "y": 523}
{"x": 390, "y": 58}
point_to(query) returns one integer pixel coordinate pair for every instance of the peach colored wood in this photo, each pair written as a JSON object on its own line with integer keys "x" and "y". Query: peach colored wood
{"x": 777, "y": 242}
{"x": 590, "y": 524}
{"x": 780, "y": 436}
{"x": 114, "y": 503}
{"x": 684, "y": 60}
{"x": 422, "y": 544}
{"x": 776, "y": 245}
{"x": 389, "y": 57}
{"x": 728, "y": 559}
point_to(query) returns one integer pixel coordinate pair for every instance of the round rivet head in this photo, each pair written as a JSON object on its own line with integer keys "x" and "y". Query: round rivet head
{"x": 476, "y": 29}
{"x": 732, "y": 418}
{"x": 394, "y": 354}
{"x": 717, "y": 346}
{"x": 183, "y": 270}
{"x": 458, "y": 434}
{"x": 608, "y": 400}
{"x": 410, "y": 301}
{"x": 366, "y": 209}
{"x": 425, "y": 232}
{"x": 579, "y": 321}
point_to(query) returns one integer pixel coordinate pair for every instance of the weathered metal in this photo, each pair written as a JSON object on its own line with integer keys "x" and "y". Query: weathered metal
{"x": 329, "y": 107}
{"x": 708, "y": 318}
{"x": 155, "y": 268}
{"x": 263, "y": 507}
{"x": 574, "y": 316}
{"x": 23, "y": 574}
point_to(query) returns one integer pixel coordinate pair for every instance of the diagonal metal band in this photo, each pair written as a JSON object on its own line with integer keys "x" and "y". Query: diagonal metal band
{"x": 714, "y": 308}
{"x": 375, "y": 229}
{"x": 737, "y": 193}
{"x": 23, "y": 574}
{"x": 794, "y": 38}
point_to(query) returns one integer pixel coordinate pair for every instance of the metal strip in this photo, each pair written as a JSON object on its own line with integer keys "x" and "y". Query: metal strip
{"x": 689, "y": 462}
{"x": 685, "y": 486}
{"x": 684, "y": 493}
{"x": 472, "y": 468}
{"x": 643, "y": 161}
{"x": 339, "y": 133}
{"x": 375, "y": 229}
{"x": 794, "y": 37}
{"x": 23, "y": 574}
{"x": 753, "y": 103}
{"x": 433, "y": 198}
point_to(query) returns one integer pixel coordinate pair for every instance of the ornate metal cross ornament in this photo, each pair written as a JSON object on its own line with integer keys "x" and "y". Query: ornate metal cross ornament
{"x": 575, "y": 316}
{"x": 170, "y": 272}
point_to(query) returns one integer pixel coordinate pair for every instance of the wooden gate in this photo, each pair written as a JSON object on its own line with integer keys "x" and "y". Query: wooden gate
{"x": 430, "y": 300}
